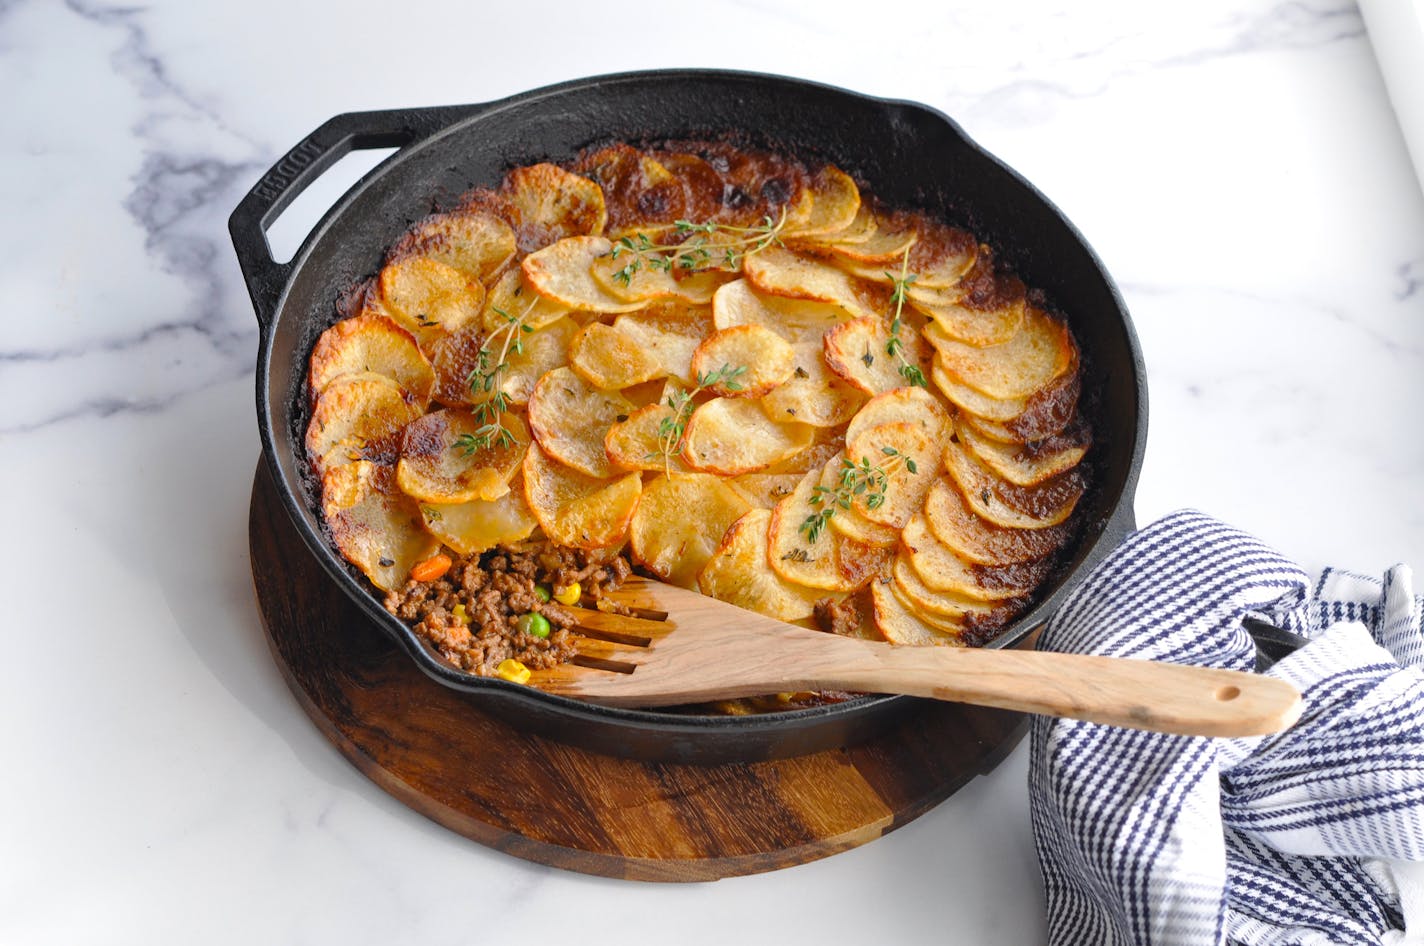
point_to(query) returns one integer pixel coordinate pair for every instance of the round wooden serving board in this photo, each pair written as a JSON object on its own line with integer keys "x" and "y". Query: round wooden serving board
{"x": 437, "y": 752}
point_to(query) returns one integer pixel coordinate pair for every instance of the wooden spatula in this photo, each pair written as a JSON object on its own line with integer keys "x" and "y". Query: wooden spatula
{"x": 687, "y": 648}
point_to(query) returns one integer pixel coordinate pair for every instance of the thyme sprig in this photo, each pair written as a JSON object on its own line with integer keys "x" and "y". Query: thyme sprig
{"x": 696, "y": 251}
{"x": 487, "y": 380}
{"x": 672, "y": 430}
{"x": 856, "y": 479}
{"x": 895, "y": 346}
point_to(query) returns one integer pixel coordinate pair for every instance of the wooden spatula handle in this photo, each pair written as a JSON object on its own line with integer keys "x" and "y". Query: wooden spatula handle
{"x": 1139, "y": 694}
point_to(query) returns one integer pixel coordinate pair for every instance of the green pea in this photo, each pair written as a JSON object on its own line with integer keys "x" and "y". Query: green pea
{"x": 533, "y": 623}
{"x": 541, "y": 593}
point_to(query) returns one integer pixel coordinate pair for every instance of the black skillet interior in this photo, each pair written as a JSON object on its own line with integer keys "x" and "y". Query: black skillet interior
{"x": 907, "y": 154}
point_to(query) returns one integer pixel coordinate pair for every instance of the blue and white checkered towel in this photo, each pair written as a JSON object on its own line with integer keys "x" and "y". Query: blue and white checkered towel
{"x": 1311, "y": 836}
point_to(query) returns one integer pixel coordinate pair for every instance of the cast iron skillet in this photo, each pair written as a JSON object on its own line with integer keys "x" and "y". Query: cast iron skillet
{"x": 909, "y": 155}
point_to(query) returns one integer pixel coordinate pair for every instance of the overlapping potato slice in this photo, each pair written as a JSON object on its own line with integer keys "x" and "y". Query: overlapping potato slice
{"x": 826, "y": 442}
{"x": 899, "y": 625}
{"x": 1039, "y": 352}
{"x": 813, "y": 394}
{"x": 941, "y": 569}
{"x": 830, "y": 561}
{"x": 754, "y": 358}
{"x": 737, "y": 573}
{"x": 730, "y": 436}
{"x": 1004, "y": 504}
{"x": 376, "y": 344}
{"x": 906, "y": 461}
{"x": 834, "y": 200}
{"x": 922, "y": 598}
{"x": 669, "y": 334}
{"x": 679, "y": 523}
{"x": 570, "y": 417}
{"x": 942, "y": 256}
{"x": 477, "y": 244}
{"x": 354, "y": 411}
{"x": 575, "y": 509}
{"x": 510, "y": 299}
{"x": 848, "y": 521}
{"x": 1016, "y": 420}
{"x": 1031, "y": 463}
{"x": 765, "y": 490}
{"x": 858, "y": 351}
{"x": 953, "y": 522}
{"x": 442, "y": 461}
{"x": 658, "y": 276}
{"x": 887, "y": 241}
{"x": 638, "y": 442}
{"x": 549, "y": 204}
{"x": 456, "y": 357}
{"x": 861, "y": 228}
{"x": 376, "y": 527}
{"x": 909, "y": 404}
{"x": 796, "y": 320}
{"x": 480, "y": 525}
{"x": 429, "y": 298}
{"x": 780, "y": 272}
{"x": 957, "y": 322}
{"x": 561, "y": 272}
{"x": 611, "y": 359}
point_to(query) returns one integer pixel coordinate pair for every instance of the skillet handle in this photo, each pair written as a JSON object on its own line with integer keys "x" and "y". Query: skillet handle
{"x": 304, "y": 163}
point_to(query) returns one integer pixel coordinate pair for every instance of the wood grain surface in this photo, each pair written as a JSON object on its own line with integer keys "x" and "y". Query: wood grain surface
{"x": 436, "y": 751}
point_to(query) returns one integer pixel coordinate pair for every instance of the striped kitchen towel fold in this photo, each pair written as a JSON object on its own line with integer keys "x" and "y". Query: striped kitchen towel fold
{"x": 1311, "y": 836}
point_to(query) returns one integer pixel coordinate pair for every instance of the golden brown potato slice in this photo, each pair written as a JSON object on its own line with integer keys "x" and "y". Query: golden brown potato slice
{"x": 442, "y": 462}
{"x": 900, "y": 463}
{"x": 954, "y": 523}
{"x": 754, "y": 358}
{"x": 813, "y": 394}
{"x": 640, "y": 280}
{"x": 943, "y": 256}
{"x": 1004, "y": 504}
{"x": 478, "y": 526}
{"x": 834, "y": 202}
{"x": 730, "y": 436}
{"x": 669, "y": 334}
{"x": 861, "y": 228}
{"x": 429, "y": 298}
{"x": 977, "y": 327}
{"x": 509, "y": 298}
{"x": 477, "y": 244}
{"x": 1039, "y": 352}
{"x": 576, "y": 509}
{"x": 974, "y": 402}
{"x": 911, "y": 404}
{"x": 544, "y": 351}
{"x": 796, "y": 320}
{"x": 637, "y": 443}
{"x": 375, "y": 527}
{"x": 858, "y": 352}
{"x": 848, "y": 521}
{"x": 780, "y": 272}
{"x": 885, "y": 247}
{"x": 1029, "y": 464}
{"x": 610, "y": 359}
{"x": 455, "y": 357}
{"x": 921, "y": 596}
{"x": 355, "y": 411}
{"x": 900, "y": 625}
{"x": 737, "y": 573}
{"x": 765, "y": 490}
{"x": 561, "y": 272}
{"x": 942, "y": 570}
{"x": 570, "y": 417}
{"x": 1046, "y": 413}
{"x": 550, "y": 204}
{"x": 679, "y": 523}
{"x": 826, "y": 442}
{"x": 830, "y": 560}
{"x": 371, "y": 343}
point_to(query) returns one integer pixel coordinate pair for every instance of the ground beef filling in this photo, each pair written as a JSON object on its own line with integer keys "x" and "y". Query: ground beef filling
{"x": 495, "y": 589}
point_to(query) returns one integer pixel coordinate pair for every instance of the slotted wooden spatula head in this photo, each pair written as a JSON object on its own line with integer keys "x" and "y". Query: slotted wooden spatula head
{"x": 682, "y": 647}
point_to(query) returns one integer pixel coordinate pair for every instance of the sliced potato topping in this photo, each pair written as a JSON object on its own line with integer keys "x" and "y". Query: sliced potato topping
{"x": 570, "y": 418}
{"x": 481, "y": 524}
{"x": 833, "y": 205}
{"x": 910, "y": 404}
{"x": 575, "y": 509}
{"x": 376, "y": 527}
{"x": 1029, "y": 464}
{"x": 737, "y": 573}
{"x": 1004, "y": 504}
{"x": 859, "y": 351}
{"x": 429, "y": 298}
{"x": 780, "y": 272}
{"x": 669, "y": 334}
{"x": 1039, "y": 352}
{"x": 830, "y": 560}
{"x": 765, "y": 490}
{"x": 561, "y": 272}
{"x": 441, "y": 463}
{"x": 510, "y": 298}
{"x": 907, "y": 461}
{"x": 953, "y": 522}
{"x": 638, "y": 442}
{"x": 813, "y": 394}
{"x": 607, "y": 358}
{"x": 654, "y": 284}
{"x": 900, "y": 625}
{"x": 754, "y": 358}
{"x": 730, "y": 436}
{"x": 371, "y": 343}
{"x": 475, "y": 243}
{"x": 355, "y": 411}
{"x": 550, "y": 204}
{"x": 796, "y": 320}
{"x": 848, "y": 521}
{"x": 941, "y": 569}
{"x": 679, "y": 523}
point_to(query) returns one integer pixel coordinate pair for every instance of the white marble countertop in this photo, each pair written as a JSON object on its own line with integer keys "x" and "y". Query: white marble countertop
{"x": 1235, "y": 163}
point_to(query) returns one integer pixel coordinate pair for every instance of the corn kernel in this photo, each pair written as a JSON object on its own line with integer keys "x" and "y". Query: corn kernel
{"x": 569, "y": 594}
{"x": 459, "y": 613}
{"x": 513, "y": 671}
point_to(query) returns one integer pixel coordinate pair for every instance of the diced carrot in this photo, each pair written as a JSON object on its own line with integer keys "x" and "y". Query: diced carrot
{"x": 432, "y": 568}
